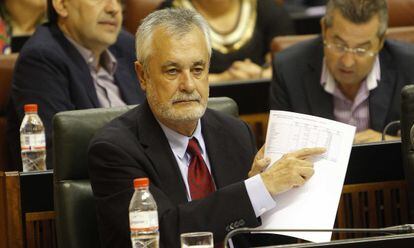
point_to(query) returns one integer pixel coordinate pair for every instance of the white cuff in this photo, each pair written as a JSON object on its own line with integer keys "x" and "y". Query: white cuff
{"x": 260, "y": 198}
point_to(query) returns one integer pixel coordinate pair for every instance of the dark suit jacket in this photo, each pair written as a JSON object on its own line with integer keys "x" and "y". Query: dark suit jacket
{"x": 53, "y": 74}
{"x": 134, "y": 145}
{"x": 296, "y": 82}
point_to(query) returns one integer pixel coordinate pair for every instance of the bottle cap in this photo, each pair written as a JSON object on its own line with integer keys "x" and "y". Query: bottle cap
{"x": 30, "y": 108}
{"x": 141, "y": 182}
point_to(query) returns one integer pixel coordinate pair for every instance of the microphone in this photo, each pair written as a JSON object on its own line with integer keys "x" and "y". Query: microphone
{"x": 400, "y": 229}
{"x": 384, "y": 132}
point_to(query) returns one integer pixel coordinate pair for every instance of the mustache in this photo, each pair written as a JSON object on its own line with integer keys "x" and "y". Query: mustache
{"x": 180, "y": 97}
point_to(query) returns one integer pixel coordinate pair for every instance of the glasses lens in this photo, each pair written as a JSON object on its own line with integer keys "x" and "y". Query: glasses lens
{"x": 339, "y": 48}
{"x": 361, "y": 52}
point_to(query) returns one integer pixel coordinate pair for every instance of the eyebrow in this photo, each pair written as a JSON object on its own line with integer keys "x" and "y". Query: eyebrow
{"x": 175, "y": 64}
{"x": 358, "y": 45}
{"x": 200, "y": 62}
{"x": 170, "y": 63}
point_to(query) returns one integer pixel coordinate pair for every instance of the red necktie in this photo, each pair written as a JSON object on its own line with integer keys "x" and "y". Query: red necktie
{"x": 199, "y": 178}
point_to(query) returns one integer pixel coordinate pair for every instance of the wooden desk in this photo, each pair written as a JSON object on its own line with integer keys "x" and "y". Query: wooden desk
{"x": 26, "y": 210}
{"x": 27, "y": 213}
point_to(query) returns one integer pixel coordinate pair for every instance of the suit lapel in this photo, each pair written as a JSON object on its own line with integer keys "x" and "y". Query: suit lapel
{"x": 380, "y": 97}
{"x": 222, "y": 164}
{"x": 80, "y": 63}
{"x": 320, "y": 102}
{"x": 216, "y": 155}
{"x": 159, "y": 153}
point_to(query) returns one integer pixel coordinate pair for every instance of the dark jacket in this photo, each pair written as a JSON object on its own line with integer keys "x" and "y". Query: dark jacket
{"x": 134, "y": 145}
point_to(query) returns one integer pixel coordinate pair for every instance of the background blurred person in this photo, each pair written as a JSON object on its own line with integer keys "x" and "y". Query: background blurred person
{"x": 18, "y": 20}
{"x": 241, "y": 32}
{"x": 80, "y": 59}
{"x": 351, "y": 73}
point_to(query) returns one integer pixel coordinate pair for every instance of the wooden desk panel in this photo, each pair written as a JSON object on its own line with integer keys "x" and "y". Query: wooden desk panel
{"x": 372, "y": 205}
{"x": 23, "y": 223}
{"x": 11, "y": 210}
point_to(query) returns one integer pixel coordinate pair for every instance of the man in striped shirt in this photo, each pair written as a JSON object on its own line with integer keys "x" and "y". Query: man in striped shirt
{"x": 351, "y": 73}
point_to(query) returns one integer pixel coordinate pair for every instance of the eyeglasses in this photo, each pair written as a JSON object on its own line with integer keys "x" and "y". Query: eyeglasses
{"x": 341, "y": 49}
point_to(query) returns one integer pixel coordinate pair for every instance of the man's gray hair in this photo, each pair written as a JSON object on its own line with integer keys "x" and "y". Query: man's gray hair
{"x": 359, "y": 12}
{"x": 176, "y": 22}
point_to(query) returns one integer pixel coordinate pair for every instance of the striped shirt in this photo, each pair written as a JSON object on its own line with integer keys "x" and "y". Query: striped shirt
{"x": 355, "y": 112}
{"x": 102, "y": 71}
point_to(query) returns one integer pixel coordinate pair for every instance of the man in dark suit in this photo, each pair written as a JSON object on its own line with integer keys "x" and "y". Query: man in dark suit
{"x": 152, "y": 141}
{"x": 80, "y": 60}
{"x": 350, "y": 74}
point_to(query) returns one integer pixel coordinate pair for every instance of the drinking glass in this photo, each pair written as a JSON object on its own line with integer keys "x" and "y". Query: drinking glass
{"x": 197, "y": 240}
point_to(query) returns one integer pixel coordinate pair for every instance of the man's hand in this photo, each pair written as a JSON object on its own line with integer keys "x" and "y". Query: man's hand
{"x": 292, "y": 170}
{"x": 260, "y": 163}
{"x": 369, "y": 135}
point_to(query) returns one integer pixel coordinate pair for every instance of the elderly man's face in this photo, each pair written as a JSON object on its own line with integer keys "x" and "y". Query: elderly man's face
{"x": 94, "y": 24}
{"x": 176, "y": 78}
{"x": 348, "y": 67}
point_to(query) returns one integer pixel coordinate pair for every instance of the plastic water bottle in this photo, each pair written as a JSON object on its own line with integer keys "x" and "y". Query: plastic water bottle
{"x": 32, "y": 140}
{"x": 143, "y": 216}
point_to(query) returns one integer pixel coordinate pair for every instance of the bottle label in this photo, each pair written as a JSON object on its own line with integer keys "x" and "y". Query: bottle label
{"x": 32, "y": 142}
{"x": 143, "y": 221}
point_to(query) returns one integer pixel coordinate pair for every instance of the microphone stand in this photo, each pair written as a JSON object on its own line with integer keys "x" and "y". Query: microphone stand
{"x": 408, "y": 228}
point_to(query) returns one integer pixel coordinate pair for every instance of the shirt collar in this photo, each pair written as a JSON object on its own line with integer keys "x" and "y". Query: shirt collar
{"x": 109, "y": 62}
{"x": 328, "y": 82}
{"x": 179, "y": 142}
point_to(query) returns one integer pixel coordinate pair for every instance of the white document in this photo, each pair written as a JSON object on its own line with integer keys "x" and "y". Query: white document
{"x": 313, "y": 205}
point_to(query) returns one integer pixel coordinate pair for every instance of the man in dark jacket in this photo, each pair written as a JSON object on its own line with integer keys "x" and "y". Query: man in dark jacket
{"x": 80, "y": 60}
{"x": 199, "y": 161}
{"x": 351, "y": 74}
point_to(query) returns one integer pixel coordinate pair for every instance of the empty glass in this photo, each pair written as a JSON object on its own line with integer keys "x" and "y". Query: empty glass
{"x": 197, "y": 240}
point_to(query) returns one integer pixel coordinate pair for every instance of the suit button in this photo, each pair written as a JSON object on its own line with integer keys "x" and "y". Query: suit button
{"x": 241, "y": 223}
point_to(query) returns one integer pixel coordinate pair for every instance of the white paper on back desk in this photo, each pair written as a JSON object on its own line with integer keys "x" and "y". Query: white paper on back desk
{"x": 313, "y": 205}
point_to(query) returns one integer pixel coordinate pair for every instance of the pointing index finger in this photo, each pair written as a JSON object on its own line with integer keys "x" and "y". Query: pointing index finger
{"x": 307, "y": 152}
